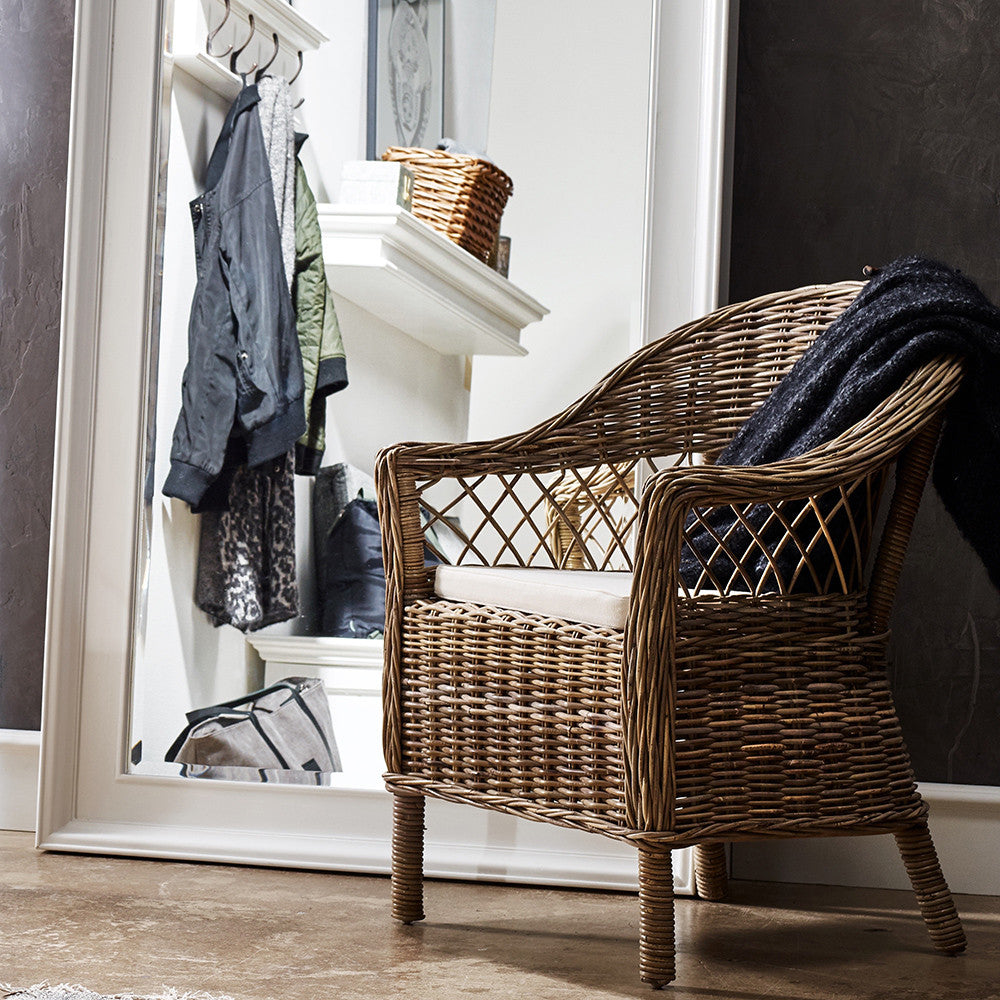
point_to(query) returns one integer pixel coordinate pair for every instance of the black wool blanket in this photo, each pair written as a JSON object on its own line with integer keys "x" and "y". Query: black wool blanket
{"x": 912, "y": 311}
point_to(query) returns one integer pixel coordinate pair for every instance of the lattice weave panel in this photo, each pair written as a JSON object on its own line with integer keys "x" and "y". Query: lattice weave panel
{"x": 569, "y": 518}
{"x": 819, "y": 545}
{"x": 586, "y": 519}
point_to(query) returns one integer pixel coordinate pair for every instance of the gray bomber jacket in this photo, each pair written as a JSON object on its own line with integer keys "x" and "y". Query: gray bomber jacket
{"x": 242, "y": 393}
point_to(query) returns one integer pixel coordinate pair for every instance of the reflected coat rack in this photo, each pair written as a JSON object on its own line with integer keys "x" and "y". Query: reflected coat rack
{"x": 216, "y": 41}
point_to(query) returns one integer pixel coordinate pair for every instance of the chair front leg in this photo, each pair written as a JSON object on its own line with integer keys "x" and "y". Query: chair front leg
{"x": 656, "y": 917}
{"x": 407, "y": 857}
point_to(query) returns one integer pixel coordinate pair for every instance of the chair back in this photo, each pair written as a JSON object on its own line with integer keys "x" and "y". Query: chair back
{"x": 679, "y": 401}
{"x": 698, "y": 385}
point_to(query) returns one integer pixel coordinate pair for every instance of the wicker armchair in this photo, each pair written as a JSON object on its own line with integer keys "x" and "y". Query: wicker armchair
{"x": 734, "y": 708}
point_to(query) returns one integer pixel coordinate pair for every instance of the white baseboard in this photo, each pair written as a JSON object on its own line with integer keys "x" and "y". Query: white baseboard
{"x": 18, "y": 778}
{"x": 460, "y": 843}
{"x": 964, "y": 822}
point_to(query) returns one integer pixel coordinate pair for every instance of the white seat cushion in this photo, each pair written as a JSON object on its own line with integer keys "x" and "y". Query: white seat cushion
{"x": 572, "y": 595}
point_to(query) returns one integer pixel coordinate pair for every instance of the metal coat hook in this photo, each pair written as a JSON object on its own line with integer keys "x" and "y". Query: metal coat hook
{"x": 274, "y": 55}
{"x": 211, "y": 35}
{"x": 238, "y": 52}
{"x": 301, "y": 101}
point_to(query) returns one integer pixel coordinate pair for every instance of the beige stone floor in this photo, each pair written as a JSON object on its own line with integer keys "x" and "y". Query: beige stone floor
{"x": 115, "y": 924}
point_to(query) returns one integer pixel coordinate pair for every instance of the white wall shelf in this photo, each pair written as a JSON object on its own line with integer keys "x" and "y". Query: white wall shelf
{"x": 351, "y": 671}
{"x": 321, "y": 651}
{"x": 388, "y": 262}
{"x": 211, "y": 72}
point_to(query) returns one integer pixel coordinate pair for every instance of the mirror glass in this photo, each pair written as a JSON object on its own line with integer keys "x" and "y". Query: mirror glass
{"x": 230, "y": 600}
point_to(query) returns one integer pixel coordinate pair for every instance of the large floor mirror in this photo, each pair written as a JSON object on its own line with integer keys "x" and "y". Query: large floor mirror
{"x": 611, "y": 123}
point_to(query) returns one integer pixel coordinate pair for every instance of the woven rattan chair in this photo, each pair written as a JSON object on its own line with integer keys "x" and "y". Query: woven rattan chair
{"x": 733, "y": 708}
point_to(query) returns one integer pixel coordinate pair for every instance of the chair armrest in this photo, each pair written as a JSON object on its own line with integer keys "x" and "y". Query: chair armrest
{"x": 534, "y": 451}
{"x": 649, "y": 674}
{"x": 811, "y": 474}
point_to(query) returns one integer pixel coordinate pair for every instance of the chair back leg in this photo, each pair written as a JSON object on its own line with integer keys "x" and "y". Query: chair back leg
{"x": 407, "y": 857}
{"x": 933, "y": 895}
{"x": 656, "y": 917}
{"x": 710, "y": 877}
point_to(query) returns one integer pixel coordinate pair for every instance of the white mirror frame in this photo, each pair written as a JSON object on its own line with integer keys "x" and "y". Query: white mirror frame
{"x": 88, "y": 801}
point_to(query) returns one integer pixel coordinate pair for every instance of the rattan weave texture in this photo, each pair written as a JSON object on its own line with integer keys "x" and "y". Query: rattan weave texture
{"x": 760, "y": 741}
{"x": 556, "y": 686}
{"x": 729, "y": 708}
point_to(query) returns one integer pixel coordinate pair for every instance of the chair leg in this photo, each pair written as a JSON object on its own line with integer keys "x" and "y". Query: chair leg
{"x": 933, "y": 895}
{"x": 656, "y": 917}
{"x": 407, "y": 857}
{"x": 710, "y": 877}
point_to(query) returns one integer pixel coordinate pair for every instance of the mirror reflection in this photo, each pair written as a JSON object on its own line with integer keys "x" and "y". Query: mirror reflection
{"x": 313, "y": 306}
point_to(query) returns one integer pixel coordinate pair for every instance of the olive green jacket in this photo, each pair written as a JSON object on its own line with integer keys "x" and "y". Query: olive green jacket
{"x": 324, "y": 365}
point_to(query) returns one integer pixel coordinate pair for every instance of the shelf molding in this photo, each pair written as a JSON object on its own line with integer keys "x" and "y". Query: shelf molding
{"x": 399, "y": 269}
{"x": 319, "y": 650}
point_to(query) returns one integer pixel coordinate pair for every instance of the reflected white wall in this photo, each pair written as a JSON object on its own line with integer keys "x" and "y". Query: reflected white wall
{"x": 568, "y": 123}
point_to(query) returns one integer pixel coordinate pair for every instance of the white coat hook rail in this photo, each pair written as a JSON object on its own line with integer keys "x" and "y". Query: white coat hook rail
{"x": 213, "y": 40}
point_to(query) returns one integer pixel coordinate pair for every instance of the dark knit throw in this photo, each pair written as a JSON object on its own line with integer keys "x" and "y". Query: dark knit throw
{"x": 912, "y": 311}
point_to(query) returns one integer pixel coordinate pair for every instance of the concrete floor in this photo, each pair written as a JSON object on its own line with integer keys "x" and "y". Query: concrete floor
{"x": 116, "y": 925}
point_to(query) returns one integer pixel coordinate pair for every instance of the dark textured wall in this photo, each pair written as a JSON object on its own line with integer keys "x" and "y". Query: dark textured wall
{"x": 865, "y": 131}
{"x": 36, "y": 43}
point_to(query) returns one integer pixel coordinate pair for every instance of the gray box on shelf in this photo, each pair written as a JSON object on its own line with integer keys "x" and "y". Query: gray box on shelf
{"x": 372, "y": 182}
{"x": 501, "y": 263}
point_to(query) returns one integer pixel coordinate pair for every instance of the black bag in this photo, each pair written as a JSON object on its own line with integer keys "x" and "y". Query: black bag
{"x": 352, "y": 589}
{"x": 350, "y": 575}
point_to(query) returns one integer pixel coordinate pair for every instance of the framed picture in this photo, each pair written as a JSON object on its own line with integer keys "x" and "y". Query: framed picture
{"x": 405, "y": 74}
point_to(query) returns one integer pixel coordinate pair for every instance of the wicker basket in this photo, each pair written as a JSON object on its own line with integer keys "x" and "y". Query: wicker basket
{"x": 462, "y": 197}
